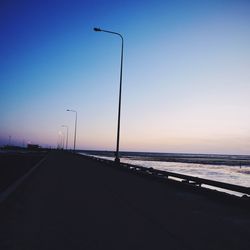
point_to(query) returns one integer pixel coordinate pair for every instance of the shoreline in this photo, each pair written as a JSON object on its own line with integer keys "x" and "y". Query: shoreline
{"x": 213, "y": 159}
{"x": 194, "y": 160}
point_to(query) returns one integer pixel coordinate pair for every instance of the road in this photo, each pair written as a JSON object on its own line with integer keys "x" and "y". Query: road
{"x": 70, "y": 202}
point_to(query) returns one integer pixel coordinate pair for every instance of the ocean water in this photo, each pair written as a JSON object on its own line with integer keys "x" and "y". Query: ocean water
{"x": 234, "y": 172}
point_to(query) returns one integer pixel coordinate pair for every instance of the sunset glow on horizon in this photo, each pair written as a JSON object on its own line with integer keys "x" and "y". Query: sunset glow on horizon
{"x": 186, "y": 79}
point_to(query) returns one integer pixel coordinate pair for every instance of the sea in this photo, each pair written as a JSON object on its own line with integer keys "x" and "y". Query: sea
{"x": 233, "y": 169}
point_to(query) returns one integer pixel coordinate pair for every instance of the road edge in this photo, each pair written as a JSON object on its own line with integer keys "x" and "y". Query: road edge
{"x": 7, "y": 192}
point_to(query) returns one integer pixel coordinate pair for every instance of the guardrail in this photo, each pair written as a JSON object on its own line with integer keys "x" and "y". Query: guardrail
{"x": 185, "y": 178}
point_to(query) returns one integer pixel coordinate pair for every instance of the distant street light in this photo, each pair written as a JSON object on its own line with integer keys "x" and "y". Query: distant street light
{"x": 60, "y": 140}
{"x": 71, "y": 110}
{"x": 65, "y": 126}
{"x": 63, "y": 137}
{"x": 117, "y": 159}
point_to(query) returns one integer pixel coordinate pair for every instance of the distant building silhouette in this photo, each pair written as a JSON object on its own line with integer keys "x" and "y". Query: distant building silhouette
{"x": 33, "y": 146}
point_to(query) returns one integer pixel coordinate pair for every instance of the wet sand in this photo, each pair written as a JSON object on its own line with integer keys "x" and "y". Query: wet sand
{"x": 71, "y": 202}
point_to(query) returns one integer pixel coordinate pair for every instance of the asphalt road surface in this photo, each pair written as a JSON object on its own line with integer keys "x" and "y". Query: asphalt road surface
{"x": 70, "y": 202}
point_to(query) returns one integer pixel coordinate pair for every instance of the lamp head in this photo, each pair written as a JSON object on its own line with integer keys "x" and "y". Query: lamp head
{"x": 97, "y": 29}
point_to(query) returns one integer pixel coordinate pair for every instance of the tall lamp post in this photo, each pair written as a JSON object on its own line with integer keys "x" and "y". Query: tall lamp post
{"x": 65, "y": 126}
{"x": 71, "y": 110}
{"x": 117, "y": 159}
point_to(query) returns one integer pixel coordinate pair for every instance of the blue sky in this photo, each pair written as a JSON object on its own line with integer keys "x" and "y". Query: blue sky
{"x": 186, "y": 78}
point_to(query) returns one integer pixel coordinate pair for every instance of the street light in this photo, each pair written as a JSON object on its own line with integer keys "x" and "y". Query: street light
{"x": 60, "y": 140}
{"x": 117, "y": 159}
{"x": 65, "y": 126}
{"x": 71, "y": 110}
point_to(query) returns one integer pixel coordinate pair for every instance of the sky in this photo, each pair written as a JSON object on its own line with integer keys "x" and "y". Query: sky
{"x": 186, "y": 77}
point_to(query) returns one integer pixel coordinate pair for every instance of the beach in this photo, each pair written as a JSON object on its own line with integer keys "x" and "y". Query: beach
{"x": 208, "y": 167}
{"x": 73, "y": 202}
